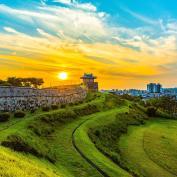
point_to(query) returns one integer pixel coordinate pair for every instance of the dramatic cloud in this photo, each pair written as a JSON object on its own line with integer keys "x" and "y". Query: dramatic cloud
{"x": 78, "y": 37}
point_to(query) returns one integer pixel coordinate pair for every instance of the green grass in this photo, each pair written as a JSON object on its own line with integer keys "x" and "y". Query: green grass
{"x": 16, "y": 165}
{"x": 55, "y": 149}
{"x": 66, "y": 154}
{"x": 150, "y": 150}
{"x": 88, "y": 148}
{"x": 43, "y": 141}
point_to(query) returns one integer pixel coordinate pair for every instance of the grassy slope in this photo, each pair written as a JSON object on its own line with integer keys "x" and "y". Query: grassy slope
{"x": 15, "y": 165}
{"x": 88, "y": 148}
{"x": 150, "y": 150}
{"x": 67, "y": 156}
{"x": 68, "y": 162}
{"x": 16, "y": 126}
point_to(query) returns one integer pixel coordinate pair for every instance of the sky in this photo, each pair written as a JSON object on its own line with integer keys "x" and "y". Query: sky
{"x": 125, "y": 43}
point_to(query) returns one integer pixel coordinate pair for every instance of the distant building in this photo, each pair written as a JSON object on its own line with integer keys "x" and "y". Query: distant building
{"x": 154, "y": 88}
{"x": 89, "y": 82}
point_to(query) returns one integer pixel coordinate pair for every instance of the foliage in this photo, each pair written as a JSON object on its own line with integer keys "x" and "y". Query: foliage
{"x": 4, "y": 117}
{"x": 19, "y": 114}
{"x": 165, "y": 103}
{"x": 54, "y": 107}
{"x": 86, "y": 109}
{"x": 63, "y": 106}
{"x": 151, "y": 111}
{"x": 91, "y": 96}
{"x": 105, "y": 137}
{"x": 86, "y": 146}
{"x": 49, "y": 134}
{"x": 46, "y": 108}
{"x": 17, "y": 143}
{"x": 113, "y": 100}
{"x": 22, "y": 82}
{"x": 21, "y": 144}
{"x": 130, "y": 97}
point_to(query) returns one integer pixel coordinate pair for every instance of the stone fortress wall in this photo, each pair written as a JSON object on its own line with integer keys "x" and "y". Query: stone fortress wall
{"x": 25, "y": 98}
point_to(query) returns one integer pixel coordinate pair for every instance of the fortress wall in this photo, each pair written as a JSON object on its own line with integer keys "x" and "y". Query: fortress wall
{"x": 24, "y": 98}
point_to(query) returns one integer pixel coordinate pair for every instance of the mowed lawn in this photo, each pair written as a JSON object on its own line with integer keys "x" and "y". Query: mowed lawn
{"x": 150, "y": 150}
{"x": 87, "y": 147}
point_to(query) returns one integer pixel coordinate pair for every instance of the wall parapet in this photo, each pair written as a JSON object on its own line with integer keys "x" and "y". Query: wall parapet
{"x": 25, "y": 98}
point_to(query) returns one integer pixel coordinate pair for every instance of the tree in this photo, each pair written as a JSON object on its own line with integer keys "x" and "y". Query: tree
{"x": 14, "y": 81}
{"x": 151, "y": 111}
{"x": 36, "y": 82}
{"x": 166, "y": 103}
{"x": 23, "y": 82}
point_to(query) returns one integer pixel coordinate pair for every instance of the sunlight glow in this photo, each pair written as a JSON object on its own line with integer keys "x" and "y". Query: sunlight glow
{"x": 63, "y": 75}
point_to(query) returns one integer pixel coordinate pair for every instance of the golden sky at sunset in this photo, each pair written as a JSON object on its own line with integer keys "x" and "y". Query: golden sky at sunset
{"x": 47, "y": 39}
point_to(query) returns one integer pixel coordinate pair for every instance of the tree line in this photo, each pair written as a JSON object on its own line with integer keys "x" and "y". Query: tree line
{"x": 167, "y": 104}
{"x": 22, "y": 82}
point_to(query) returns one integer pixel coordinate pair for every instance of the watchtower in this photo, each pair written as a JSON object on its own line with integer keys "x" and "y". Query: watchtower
{"x": 89, "y": 82}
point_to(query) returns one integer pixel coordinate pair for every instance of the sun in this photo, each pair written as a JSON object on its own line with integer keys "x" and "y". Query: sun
{"x": 63, "y": 75}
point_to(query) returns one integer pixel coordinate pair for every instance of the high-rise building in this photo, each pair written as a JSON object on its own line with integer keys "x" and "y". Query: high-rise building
{"x": 89, "y": 83}
{"x": 158, "y": 88}
{"x": 154, "y": 88}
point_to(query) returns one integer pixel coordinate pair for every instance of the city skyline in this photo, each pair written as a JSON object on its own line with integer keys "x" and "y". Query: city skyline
{"x": 125, "y": 44}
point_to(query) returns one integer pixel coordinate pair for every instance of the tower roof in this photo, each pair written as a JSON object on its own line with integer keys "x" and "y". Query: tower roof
{"x": 88, "y": 76}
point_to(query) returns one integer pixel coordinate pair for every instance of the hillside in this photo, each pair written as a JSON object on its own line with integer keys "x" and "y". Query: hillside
{"x": 89, "y": 138}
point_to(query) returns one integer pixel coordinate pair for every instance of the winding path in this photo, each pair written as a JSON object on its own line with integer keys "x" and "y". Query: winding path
{"x": 85, "y": 147}
{"x": 83, "y": 155}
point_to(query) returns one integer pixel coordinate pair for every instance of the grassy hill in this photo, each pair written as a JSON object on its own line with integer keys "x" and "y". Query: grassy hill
{"x": 91, "y": 138}
{"x": 47, "y": 136}
{"x": 16, "y": 165}
{"x": 150, "y": 150}
{"x": 141, "y": 145}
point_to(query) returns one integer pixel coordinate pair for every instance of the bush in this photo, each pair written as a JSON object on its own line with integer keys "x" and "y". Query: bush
{"x": 86, "y": 109}
{"x": 46, "y": 108}
{"x": 32, "y": 110}
{"x": 61, "y": 116}
{"x": 17, "y": 143}
{"x": 54, "y": 107}
{"x": 63, "y": 106}
{"x": 19, "y": 114}
{"x": 151, "y": 111}
{"x": 24, "y": 144}
{"x": 4, "y": 117}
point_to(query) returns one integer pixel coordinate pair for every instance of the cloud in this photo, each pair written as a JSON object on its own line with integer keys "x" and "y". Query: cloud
{"x": 11, "y": 30}
{"x": 77, "y": 5}
{"x": 142, "y": 17}
{"x": 67, "y": 2}
{"x": 78, "y": 38}
{"x": 129, "y": 60}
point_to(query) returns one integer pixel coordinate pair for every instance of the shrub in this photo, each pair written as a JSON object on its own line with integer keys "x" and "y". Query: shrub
{"x": 54, "y": 107}
{"x": 4, "y": 117}
{"x": 43, "y": 130}
{"x": 19, "y": 114}
{"x": 63, "y": 106}
{"x": 32, "y": 110}
{"x": 71, "y": 104}
{"x": 46, "y": 108}
{"x": 23, "y": 144}
{"x": 17, "y": 143}
{"x": 97, "y": 133}
{"x": 60, "y": 116}
{"x": 151, "y": 111}
{"x": 86, "y": 109}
